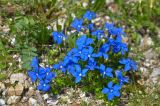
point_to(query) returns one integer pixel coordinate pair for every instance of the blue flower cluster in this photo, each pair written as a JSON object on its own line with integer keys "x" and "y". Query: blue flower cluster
{"x": 92, "y": 50}
{"x": 87, "y": 57}
{"x": 44, "y": 75}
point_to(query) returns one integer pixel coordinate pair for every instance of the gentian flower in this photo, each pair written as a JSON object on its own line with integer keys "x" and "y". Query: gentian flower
{"x": 87, "y": 53}
{"x": 34, "y": 73}
{"x": 112, "y": 91}
{"x": 120, "y": 47}
{"x": 109, "y": 26}
{"x": 34, "y": 64}
{"x": 105, "y": 48}
{"x": 98, "y": 33}
{"x": 43, "y": 86}
{"x": 70, "y": 58}
{"x": 129, "y": 64}
{"x": 116, "y": 31}
{"x": 49, "y": 75}
{"x": 83, "y": 41}
{"x": 77, "y": 24}
{"x": 122, "y": 79}
{"x": 91, "y": 27}
{"x": 89, "y": 15}
{"x": 58, "y": 37}
{"x": 92, "y": 65}
{"x": 60, "y": 66}
{"x": 105, "y": 71}
{"x": 78, "y": 73}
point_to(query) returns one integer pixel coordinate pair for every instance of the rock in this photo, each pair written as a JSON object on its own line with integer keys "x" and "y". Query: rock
{"x": 24, "y": 99}
{"x": 33, "y": 102}
{"x": 20, "y": 77}
{"x": 31, "y": 92}
{"x": 52, "y": 102}
{"x": 26, "y": 84}
{"x": 2, "y": 87}
{"x": 45, "y": 96}
{"x": 149, "y": 54}
{"x": 155, "y": 75}
{"x": 39, "y": 98}
{"x": 146, "y": 42}
{"x": 11, "y": 91}
{"x": 19, "y": 89}
{"x": 2, "y": 102}
{"x": 13, "y": 99}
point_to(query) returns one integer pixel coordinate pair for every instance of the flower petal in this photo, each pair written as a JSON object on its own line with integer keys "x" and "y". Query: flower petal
{"x": 105, "y": 90}
{"x": 116, "y": 93}
{"x": 110, "y": 96}
{"x": 110, "y": 84}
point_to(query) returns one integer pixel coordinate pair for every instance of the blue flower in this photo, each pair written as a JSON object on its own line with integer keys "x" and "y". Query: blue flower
{"x": 109, "y": 26}
{"x": 83, "y": 41}
{"x": 92, "y": 65}
{"x": 89, "y": 15}
{"x": 60, "y": 66}
{"x": 121, "y": 78}
{"x": 49, "y": 75}
{"x": 120, "y": 47}
{"x": 116, "y": 31}
{"x": 90, "y": 27}
{"x": 78, "y": 73}
{"x": 105, "y": 71}
{"x": 35, "y": 64}
{"x": 98, "y": 33}
{"x": 77, "y": 24}
{"x": 34, "y": 73}
{"x": 105, "y": 48}
{"x": 112, "y": 91}
{"x": 43, "y": 86}
{"x": 58, "y": 37}
{"x": 87, "y": 53}
{"x": 129, "y": 64}
{"x": 70, "y": 58}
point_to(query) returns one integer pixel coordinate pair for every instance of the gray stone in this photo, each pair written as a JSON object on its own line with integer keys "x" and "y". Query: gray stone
{"x": 149, "y": 54}
{"x": 2, "y": 87}
{"x": 20, "y": 77}
{"x": 146, "y": 42}
{"x": 45, "y": 96}
{"x": 51, "y": 102}
{"x": 33, "y": 102}
{"x": 155, "y": 75}
{"x": 2, "y": 102}
{"x": 13, "y": 99}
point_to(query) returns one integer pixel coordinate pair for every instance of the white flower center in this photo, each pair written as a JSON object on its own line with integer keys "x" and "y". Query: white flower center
{"x": 44, "y": 84}
{"x": 79, "y": 26}
{"x": 80, "y": 74}
{"x": 111, "y": 90}
{"x": 89, "y": 55}
{"x": 61, "y": 66}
